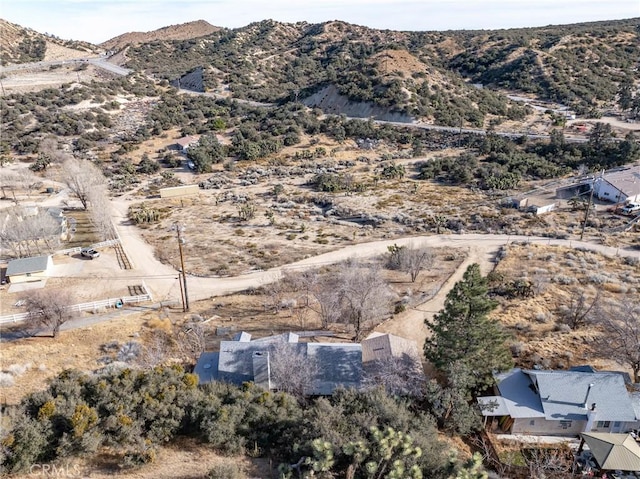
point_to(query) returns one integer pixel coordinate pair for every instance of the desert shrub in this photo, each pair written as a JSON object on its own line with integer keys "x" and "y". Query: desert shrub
{"x": 226, "y": 470}
{"x": 517, "y": 349}
{"x": 6, "y": 379}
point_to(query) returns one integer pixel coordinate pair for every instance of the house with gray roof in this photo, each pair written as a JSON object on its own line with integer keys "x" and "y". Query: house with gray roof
{"x": 25, "y": 270}
{"x": 619, "y": 185}
{"x": 563, "y": 403}
{"x": 337, "y": 365}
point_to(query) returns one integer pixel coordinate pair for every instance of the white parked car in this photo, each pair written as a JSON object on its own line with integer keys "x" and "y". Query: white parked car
{"x": 89, "y": 253}
{"x": 631, "y": 209}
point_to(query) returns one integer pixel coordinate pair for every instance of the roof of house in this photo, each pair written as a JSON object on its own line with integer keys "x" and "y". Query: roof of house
{"x": 35, "y": 264}
{"x": 519, "y": 398}
{"x": 378, "y": 346}
{"x": 626, "y": 180}
{"x": 561, "y": 395}
{"x": 339, "y": 364}
{"x": 187, "y": 140}
{"x": 614, "y": 452}
{"x": 564, "y": 395}
{"x": 207, "y": 367}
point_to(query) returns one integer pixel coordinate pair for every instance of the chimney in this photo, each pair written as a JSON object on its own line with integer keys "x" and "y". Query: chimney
{"x": 586, "y": 398}
{"x": 261, "y": 369}
{"x": 591, "y": 418}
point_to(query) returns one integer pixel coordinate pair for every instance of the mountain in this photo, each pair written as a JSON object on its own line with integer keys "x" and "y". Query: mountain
{"x": 184, "y": 31}
{"x": 22, "y": 45}
{"x": 422, "y": 74}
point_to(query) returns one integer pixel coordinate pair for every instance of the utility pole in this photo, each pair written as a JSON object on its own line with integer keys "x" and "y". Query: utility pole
{"x": 185, "y": 303}
{"x": 586, "y": 213}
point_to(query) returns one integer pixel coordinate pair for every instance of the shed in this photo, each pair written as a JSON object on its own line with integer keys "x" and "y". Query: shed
{"x": 614, "y": 452}
{"x": 25, "y": 270}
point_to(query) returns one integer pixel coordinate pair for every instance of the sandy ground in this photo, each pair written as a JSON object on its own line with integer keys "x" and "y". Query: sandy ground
{"x": 29, "y": 80}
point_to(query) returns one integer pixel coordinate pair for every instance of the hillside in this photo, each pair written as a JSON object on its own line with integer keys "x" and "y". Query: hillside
{"x": 23, "y": 45}
{"x": 184, "y": 31}
{"x": 426, "y": 75}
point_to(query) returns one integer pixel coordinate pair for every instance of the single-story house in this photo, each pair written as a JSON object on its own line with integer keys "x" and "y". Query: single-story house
{"x": 183, "y": 144}
{"x": 337, "y": 364}
{"x": 245, "y": 360}
{"x": 25, "y": 270}
{"x": 537, "y": 402}
{"x": 619, "y": 186}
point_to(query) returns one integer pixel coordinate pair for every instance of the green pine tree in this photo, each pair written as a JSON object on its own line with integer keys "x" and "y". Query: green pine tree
{"x": 463, "y": 333}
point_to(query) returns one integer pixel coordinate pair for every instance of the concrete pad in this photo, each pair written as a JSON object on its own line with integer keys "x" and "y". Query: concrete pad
{"x": 22, "y": 287}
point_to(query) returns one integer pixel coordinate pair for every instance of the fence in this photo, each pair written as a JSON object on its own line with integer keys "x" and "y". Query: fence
{"x": 77, "y": 249}
{"x": 91, "y": 306}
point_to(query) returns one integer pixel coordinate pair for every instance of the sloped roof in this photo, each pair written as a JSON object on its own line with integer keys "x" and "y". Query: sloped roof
{"x": 384, "y": 346}
{"x": 519, "y": 397}
{"x": 27, "y": 265}
{"x": 626, "y": 180}
{"x": 564, "y": 393}
{"x": 187, "y": 140}
{"x": 614, "y": 452}
{"x": 207, "y": 367}
{"x": 339, "y": 365}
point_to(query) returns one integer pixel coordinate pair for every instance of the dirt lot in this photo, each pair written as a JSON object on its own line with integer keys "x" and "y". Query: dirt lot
{"x": 555, "y": 274}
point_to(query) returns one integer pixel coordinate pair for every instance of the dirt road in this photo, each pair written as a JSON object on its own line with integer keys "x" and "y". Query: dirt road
{"x": 161, "y": 278}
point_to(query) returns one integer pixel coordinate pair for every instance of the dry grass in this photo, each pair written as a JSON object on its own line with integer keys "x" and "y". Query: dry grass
{"x": 555, "y": 272}
{"x": 47, "y": 357}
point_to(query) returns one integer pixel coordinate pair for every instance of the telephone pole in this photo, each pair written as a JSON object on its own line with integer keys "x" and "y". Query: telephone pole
{"x": 185, "y": 300}
{"x": 588, "y": 210}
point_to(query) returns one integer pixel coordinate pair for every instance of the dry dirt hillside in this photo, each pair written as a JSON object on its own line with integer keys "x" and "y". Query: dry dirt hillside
{"x": 22, "y": 45}
{"x": 184, "y": 31}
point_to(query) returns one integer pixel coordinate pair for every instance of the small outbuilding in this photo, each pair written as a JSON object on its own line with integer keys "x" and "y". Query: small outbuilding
{"x": 25, "y": 270}
{"x": 613, "y": 452}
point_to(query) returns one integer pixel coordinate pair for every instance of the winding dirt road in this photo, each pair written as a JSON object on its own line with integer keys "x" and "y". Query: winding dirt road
{"x": 479, "y": 248}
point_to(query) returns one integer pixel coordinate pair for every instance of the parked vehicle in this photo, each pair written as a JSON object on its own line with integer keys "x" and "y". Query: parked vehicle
{"x": 631, "y": 209}
{"x": 89, "y": 253}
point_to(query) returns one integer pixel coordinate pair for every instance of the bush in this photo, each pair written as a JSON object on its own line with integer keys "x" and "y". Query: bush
{"x": 226, "y": 470}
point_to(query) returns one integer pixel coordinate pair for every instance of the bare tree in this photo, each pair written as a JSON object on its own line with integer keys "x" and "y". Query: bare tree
{"x": 81, "y": 177}
{"x": 545, "y": 462}
{"x": 25, "y": 233}
{"x": 410, "y": 259}
{"x": 291, "y": 369}
{"x": 49, "y": 308}
{"x": 191, "y": 340}
{"x": 365, "y": 295}
{"x": 157, "y": 348}
{"x": 415, "y": 260}
{"x": 17, "y": 180}
{"x": 580, "y": 309}
{"x": 101, "y": 211}
{"x": 399, "y": 376}
{"x": 327, "y": 300}
{"x": 620, "y": 322}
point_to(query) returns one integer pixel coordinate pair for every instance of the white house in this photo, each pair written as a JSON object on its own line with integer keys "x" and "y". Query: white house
{"x": 619, "y": 186}
{"x": 562, "y": 403}
{"x": 185, "y": 142}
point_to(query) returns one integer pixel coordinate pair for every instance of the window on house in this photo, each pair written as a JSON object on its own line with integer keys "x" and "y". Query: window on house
{"x": 28, "y": 274}
{"x": 565, "y": 424}
{"x": 532, "y": 422}
{"x": 601, "y": 424}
